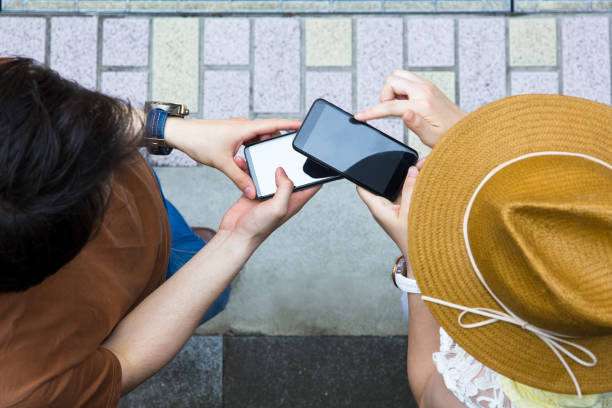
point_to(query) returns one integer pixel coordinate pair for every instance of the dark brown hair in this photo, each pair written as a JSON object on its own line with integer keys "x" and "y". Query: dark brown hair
{"x": 59, "y": 145}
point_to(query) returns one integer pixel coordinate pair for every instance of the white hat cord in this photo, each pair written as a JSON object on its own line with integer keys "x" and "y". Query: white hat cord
{"x": 554, "y": 341}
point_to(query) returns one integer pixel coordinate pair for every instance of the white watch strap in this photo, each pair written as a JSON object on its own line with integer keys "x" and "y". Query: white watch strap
{"x": 406, "y": 284}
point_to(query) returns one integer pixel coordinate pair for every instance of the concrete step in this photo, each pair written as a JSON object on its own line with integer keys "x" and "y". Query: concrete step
{"x": 270, "y": 372}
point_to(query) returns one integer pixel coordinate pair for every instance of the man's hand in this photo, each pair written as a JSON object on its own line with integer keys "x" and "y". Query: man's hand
{"x": 216, "y": 142}
{"x": 423, "y": 107}
{"x": 255, "y": 220}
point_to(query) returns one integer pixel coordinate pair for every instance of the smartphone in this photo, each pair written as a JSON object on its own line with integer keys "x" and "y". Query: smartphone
{"x": 263, "y": 158}
{"x": 355, "y": 150}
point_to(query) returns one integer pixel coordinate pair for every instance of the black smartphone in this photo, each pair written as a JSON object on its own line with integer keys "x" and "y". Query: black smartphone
{"x": 356, "y": 150}
{"x": 263, "y": 158}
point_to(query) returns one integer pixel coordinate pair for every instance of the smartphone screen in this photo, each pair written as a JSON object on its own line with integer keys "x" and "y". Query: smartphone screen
{"x": 263, "y": 158}
{"x": 356, "y": 150}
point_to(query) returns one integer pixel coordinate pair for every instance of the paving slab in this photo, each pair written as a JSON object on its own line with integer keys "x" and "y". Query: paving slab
{"x": 125, "y": 42}
{"x": 445, "y": 80}
{"x": 296, "y": 282}
{"x": 431, "y": 42}
{"x": 328, "y": 41}
{"x": 336, "y": 87}
{"x": 226, "y": 94}
{"x": 23, "y": 37}
{"x": 74, "y": 58}
{"x": 127, "y": 85}
{"x": 276, "y": 67}
{"x": 356, "y": 372}
{"x": 534, "y": 82}
{"x": 226, "y": 41}
{"x": 176, "y": 63}
{"x": 586, "y": 57}
{"x": 532, "y": 41}
{"x": 193, "y": 379}
{"x": 482, "y": 61}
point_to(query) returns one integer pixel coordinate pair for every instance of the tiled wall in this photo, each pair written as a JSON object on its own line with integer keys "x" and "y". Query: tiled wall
{"x": 276, "y": 66}
{"x": 304, "y": 6}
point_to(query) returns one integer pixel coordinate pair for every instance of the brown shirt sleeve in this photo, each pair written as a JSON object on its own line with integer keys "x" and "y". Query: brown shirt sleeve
{"x": 96, "y": 382}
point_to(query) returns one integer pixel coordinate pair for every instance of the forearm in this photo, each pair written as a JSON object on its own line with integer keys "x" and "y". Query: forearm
{"x": 423, "y": 341}
{"x": 153, "y": 333}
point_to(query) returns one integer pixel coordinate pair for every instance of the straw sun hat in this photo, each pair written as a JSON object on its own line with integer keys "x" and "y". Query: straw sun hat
{"x": 510, "y": 231}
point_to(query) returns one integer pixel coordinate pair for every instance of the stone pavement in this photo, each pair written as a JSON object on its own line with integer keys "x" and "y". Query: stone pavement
{"x": 326, "y": 272}
{"x": 302, "y": 6}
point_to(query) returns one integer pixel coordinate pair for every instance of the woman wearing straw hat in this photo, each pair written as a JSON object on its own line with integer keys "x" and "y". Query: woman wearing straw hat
{"x": 510, "y": 241}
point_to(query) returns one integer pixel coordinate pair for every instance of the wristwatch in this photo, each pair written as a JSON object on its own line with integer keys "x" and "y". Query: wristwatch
{"x": 400, "y": 277}
{"x": 157, "y": 113}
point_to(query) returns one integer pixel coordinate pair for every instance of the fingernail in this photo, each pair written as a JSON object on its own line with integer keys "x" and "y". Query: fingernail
{"x": 413, "y": 172}
{"x": 358, "y": 116}
{"x": 248, "y": 191}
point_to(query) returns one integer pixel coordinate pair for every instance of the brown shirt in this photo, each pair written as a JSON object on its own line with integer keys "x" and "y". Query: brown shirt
{"x": 50, "y": 335}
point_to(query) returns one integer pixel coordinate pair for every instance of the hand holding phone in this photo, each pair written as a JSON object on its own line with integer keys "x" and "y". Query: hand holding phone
{"x": 355, "y": 150}
{"x": 263, "y": 158}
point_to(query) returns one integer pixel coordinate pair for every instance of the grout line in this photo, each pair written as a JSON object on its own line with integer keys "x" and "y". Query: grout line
{"x": 354, "y": 63}
{"x": 99, "y": 44}
{"x": 226, "y": 67}
{"x": 150, "y": 77}
{"x": 534, "y": 68}
{"x": 302, "y": 31}
{"x": 127, "y": 68}
{"x": 405, "y": 45}
{"x": 251, "y": 68}
{"x": 507, "y": 51}
{"x": 201, "y": 67}
{"x": 339, "y": 68}
{"x": 48, "y": 41}
{"x": 559, "y": 44}
{"x": 457, "y": 75}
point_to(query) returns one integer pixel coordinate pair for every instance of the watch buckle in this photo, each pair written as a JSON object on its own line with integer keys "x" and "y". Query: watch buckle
{"x": 173, "y": 109}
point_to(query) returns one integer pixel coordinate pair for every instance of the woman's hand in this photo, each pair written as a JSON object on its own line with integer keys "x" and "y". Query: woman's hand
{"x": 423, "y": 107}
{"x": 393, "y": 216}
{"x": 255, "y": 220}
{"x": 216, "y": 142}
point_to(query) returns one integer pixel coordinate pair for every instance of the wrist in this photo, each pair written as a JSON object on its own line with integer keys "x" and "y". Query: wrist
{"x": 243, "y": 244}
{"x": 175, "y": 132}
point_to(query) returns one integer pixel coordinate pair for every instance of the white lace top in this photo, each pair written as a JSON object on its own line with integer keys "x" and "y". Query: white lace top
{"x": 473, "y": 383}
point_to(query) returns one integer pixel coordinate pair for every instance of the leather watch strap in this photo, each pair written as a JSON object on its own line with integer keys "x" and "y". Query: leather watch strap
{"x": 156, "y": 122}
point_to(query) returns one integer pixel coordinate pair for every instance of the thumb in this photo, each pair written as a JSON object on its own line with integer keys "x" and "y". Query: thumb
{"x": 283, "y": 191}
{"x": 417, "y": 124}
{"x": 240, "y": 178}
{"x": 380, "y": 207}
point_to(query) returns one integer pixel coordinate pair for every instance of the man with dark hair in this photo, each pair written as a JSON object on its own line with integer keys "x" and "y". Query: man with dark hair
{"x": 87, "y": 240}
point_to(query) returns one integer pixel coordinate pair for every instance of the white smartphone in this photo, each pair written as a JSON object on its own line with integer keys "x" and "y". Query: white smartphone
{"x": 263, "y": 158}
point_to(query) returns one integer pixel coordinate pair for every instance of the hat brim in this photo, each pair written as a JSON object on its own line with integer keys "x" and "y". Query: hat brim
{"x": 492, "y": 135}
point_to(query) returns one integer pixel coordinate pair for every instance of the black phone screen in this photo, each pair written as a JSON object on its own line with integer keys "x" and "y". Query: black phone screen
{"x": 356, "y": 150}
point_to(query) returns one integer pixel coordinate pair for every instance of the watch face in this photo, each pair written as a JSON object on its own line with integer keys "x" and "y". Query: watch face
{"x": 399, "y": 267}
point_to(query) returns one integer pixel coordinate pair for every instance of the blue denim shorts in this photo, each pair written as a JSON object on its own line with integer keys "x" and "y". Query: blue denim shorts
{"x": 185, "y": 244}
